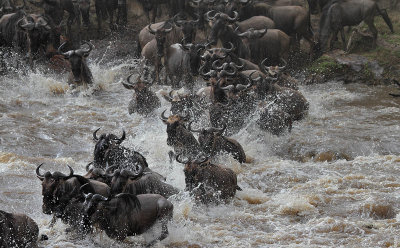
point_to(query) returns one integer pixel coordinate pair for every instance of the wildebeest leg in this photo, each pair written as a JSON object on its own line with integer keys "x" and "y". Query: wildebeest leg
{"x": 370, "y": 22}
{"x": 98, "y": 14}
{"x": 171, "y": 155}
{"x": 335, "y": 33}
{"x": 343, "y": 38}
{"x": 53, "y": 221}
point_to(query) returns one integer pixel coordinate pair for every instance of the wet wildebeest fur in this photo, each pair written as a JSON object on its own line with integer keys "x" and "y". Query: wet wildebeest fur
{"x": 109, "y": 152}
{"x": 337, "y": 14}
{"x": 80, "y": 72}
{"x": 213, "y": 142}
{"x": 209, "y": 183}
{"x": 127, "y": 215}
{"x": 139, "y": 183}
{"x": 144, "y": 101}
{"x": 181, "y": 139}
{"x": 17, "y": 230}
{"x": 60, "y": 192}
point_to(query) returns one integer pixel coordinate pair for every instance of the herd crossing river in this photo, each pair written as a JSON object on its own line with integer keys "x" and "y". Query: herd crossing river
{"x": 330, "y": 182}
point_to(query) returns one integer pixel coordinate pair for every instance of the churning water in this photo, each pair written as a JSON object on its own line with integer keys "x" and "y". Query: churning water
{"x": 333, "y": 181}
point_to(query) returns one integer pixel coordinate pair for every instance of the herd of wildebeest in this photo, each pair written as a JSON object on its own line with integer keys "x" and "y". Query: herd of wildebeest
{"x": 241, "y": 57}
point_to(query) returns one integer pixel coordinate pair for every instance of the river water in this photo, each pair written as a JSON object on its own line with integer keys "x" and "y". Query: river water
{"x": 332, "y": 182}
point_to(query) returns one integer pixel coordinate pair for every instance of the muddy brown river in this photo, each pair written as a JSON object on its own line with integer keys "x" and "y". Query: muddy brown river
{"x": 332, "y": 182}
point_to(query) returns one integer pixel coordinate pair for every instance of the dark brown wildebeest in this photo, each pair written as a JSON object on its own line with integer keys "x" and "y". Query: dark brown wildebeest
{"x": 109, "y": 152}
{"x": 124, "y": 181}
{"x": 209, "y": 183}
{"x": 80, "y": 72}
{"x": 337, "y": 14}
{"x": 18, "y": 230}
{"x": 144, "y": 101}
{"x": 181, "y": 139}
{"x": 268, "y": 43}
{"x": 127, "y": 215}
{"x": 20, "y": 31}
{"x": 61, "y": 192}
{"x": 213, "y": 142}
{"x": 398, "y": 84}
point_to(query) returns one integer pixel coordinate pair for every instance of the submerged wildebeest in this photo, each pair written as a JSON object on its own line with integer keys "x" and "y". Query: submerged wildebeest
{"x": 213, "y": 142}
{"x": 125, "y": 181}
{"x": 339, "y": 13}
{"x": 144, "y": 100}
{"x": 80, "y": 72}
{"x": 127, "y": 215}
{"x": 109, "y": 152}
{"x": 18, "y": 230}
{"x": 208, "y": 182}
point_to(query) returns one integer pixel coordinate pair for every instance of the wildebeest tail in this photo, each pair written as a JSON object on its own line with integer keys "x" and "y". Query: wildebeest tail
{"x": 385, "y": 16}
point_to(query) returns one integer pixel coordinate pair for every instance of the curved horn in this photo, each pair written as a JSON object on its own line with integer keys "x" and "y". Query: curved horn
{"x": 119, "y": 141}
{"x": 110, "y": 169}
{"x": 215, "y": 67}
{"x": 66, "y": 54}
{"x": 241, "y": 87}
{"x": 28, "y": 26}
{"x": 239, "y": 67}
{"x": 95, "y": 134}
{"x": 234, "y": 18}
{"x": 219, "y": 130}
{"x": 226, "y": 73}
{"x": 193, "y": 130}
{"x": 228, "y": 50}
{"x": 167, "y": 30}
{"x": 41, "y": 177}
{"x": 88, "y": 165}
{"x": 152, "y": 31}
{"x": 228, "y": 88}
{"x": 262, "y": 67}
{"x": 129, "y": 85}
{"x": 208, "y": 17}
{"x": 251, "y": 79}
{"x": 284, "y": 64}
{"x": 163, "y": 117}
{"x": 71, "y": 171}
{"x": 82, "y": 52}
{"x": 178, "y": 158}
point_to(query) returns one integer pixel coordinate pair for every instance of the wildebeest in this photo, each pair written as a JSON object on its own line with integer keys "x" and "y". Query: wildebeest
{"x": 105, "y": 9}
{"x": 144, "y": 100}
{"x": 62, "y": 194}
{"x": 271, "y": 43}
{"x": 127, "y": 215}
{"x": 213, "y": 142}
{"x": 55, "y": 9}
{"x": 109, "y": 152}
{"x": 81, "y": 73}
{"x": 183, "y": 61}
{"x": 18, "y": 230}
{"x": 209, "y": 183}
{"x": 181, "y": 139}
{"x": 337, "y": 14}
{"x": 398, "y": 84}
{"x": 58, "y": 188}
{"x": 7, "y": 7}
{"x": 124, "y": 181}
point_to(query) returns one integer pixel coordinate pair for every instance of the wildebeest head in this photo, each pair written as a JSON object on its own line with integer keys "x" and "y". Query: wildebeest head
{"x": 262, "y": 85}
{"x": 220, "y": 24}
{"x": 207, "y": 136}
{"x": 188, "y": 29}
{"x": 77, "y": 60}
{"x": 104, "y": 144}
{"x": 161, "y": 37}
{"x": 173, "y": 122}
{"x": 273, "y": 71}
{"x": 97, "y": 174}
{"x": 138, "y": 86}
{"x": 120, "y": 178}
{"x": 91, "y": 202}
{"x": 191, "y": 169}
{"x": 251, "y": 33}
{"x": 195, "y": 51}
{"x": 51, "y": 190}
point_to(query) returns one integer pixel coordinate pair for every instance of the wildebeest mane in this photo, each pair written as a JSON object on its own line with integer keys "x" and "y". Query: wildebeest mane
{"x": 130, "y": 201}
{"x": 11, "y": 27}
